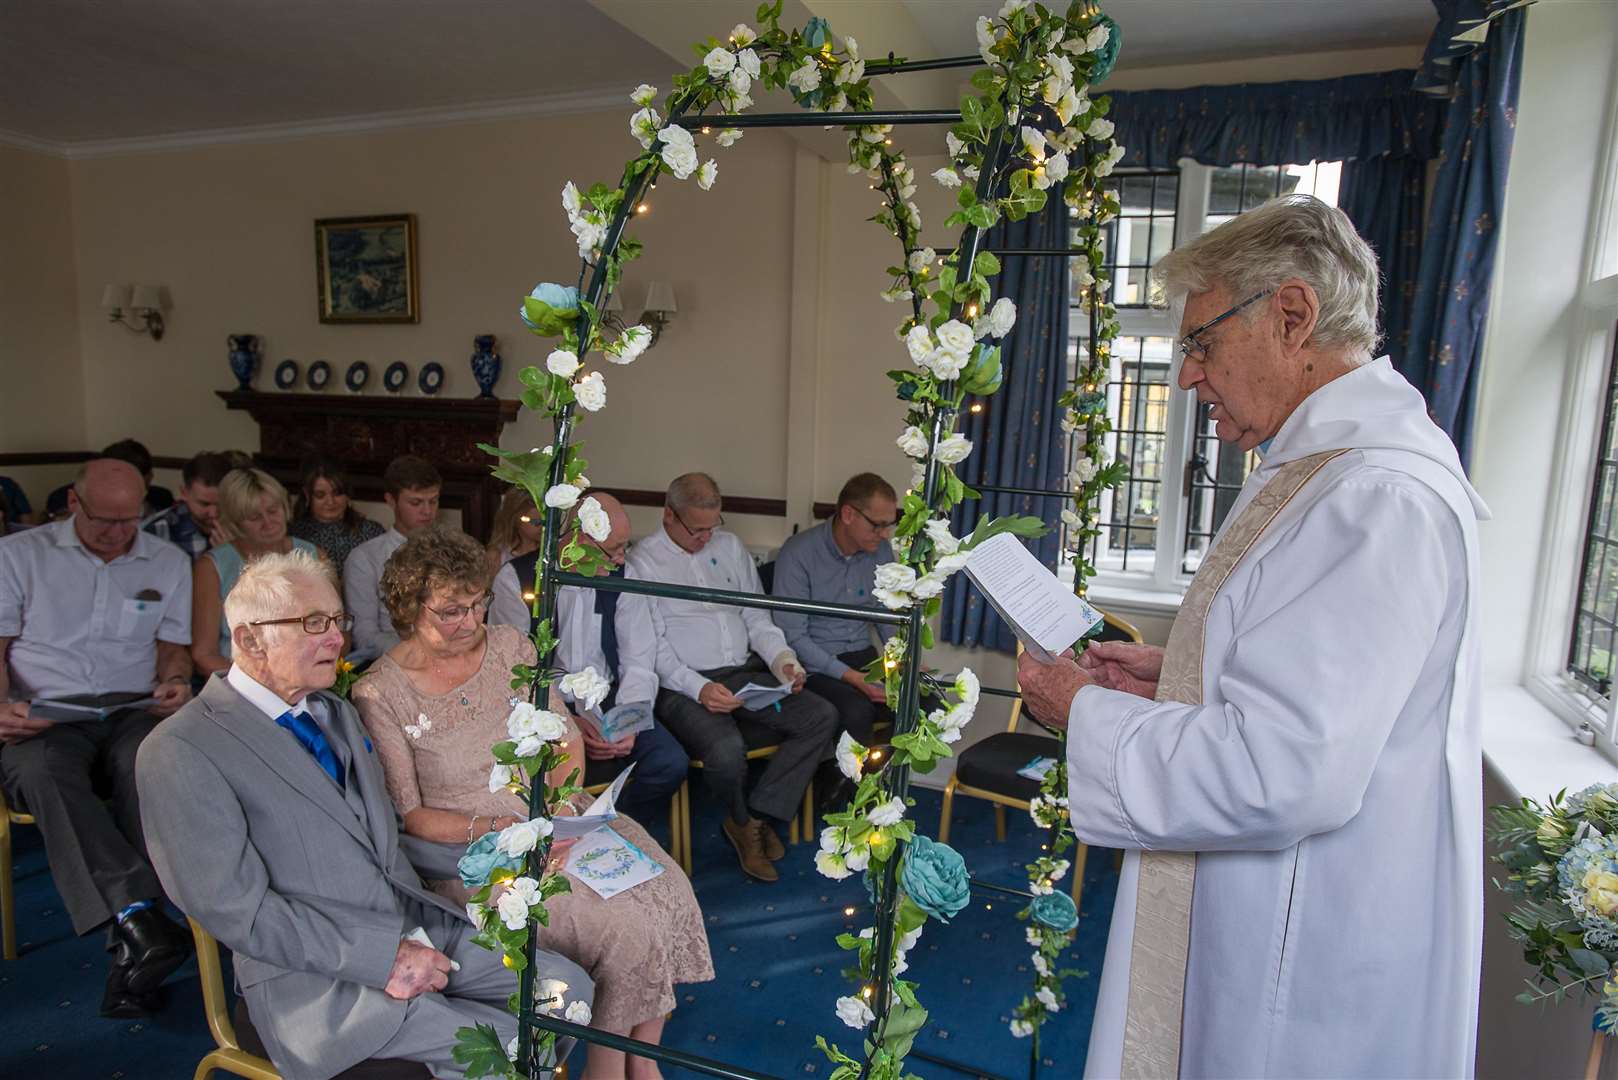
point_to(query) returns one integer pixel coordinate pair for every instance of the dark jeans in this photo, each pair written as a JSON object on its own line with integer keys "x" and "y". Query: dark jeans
{"x": 660, "y": 764}
{"x": 804, "y": 726}
{"x": 857, "y": 713}
{"x": 96, "y": 850}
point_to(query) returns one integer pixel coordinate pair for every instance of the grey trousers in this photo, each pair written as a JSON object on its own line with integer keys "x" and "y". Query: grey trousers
{"x": 96, "y": 850}
{"x": 477, "y": 994}
{"x": 805, "y": 726}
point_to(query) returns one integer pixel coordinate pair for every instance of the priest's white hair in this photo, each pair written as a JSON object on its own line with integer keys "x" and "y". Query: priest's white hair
{"x": 267, "y": 586}
{"x": 1294, "y": 236}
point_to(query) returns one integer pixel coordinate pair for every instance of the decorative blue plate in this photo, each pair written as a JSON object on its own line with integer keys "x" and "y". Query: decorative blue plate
{"x": 286, "y": 374}
{"x": 319, "y": 375}
{"x": 393, "y": 379}
{"x": 359, "y": 373}
{"x": 431, "y": 379}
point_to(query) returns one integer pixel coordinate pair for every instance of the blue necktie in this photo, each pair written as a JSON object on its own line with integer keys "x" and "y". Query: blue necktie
{"x": 607, "y": 608}
{"x": 309, "y": 735}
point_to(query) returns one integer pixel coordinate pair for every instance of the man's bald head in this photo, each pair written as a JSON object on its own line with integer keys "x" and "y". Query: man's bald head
{"x": 106, "y": 501}
{"x": 617, "y": 541}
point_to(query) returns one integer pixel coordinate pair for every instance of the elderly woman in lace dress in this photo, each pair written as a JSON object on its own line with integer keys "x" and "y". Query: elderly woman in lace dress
{"x": 434, "y": 705}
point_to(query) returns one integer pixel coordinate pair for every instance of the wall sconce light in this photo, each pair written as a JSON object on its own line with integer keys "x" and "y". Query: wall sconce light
{"x": 660, "y": 308}
{"x": 142, "y": 312}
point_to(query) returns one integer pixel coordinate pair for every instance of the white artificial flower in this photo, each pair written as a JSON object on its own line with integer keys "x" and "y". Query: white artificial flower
{"x": 887, "y": 813}
{"x": 854, "y": 1012}
{"x": 851, "y": 47}
{"x": 747, "y": 60}
{"x": 1002, "y": 317}
{"x": 630, "y": 344}
{"x": 876, "y": 133}
{"x": 577, "y": 1012}
{"x": 848, "y": 756}
{"x": 594, "y": 520}
{"x": 1105, "y": 166}
{"x": 743, "y": 34}
{"x": 728, "y": 136}
{"x": 513, "y": 910}
{"x": 1067, "y": 106}
{"x": 590, "y": 234}
{"x": 562, "y": 496}
{"x": 953, "y": 142}
{"x": 1047, "y": 999}
{"x": 954, "y": 449}
{"x": 832, "y": 839}
{"x": 644, "y": 94}
{"x": 908, "y": 941}
{"x": 920, "y": 260}
{"x": 895, "y": 294}
{"x": 920, "y": 343}
{"x": 950, "y": 564}
{"x": 985, "y": 32}
{"x": 499, "y": 778}
{"x": 918, "y": 476}
{"x": 947, "y": 365}
{"x": 969, "y": 172}
{"x": 928, "y": 586}
{"x": 1097, "y": 37}
{"x": 681, "y": 158}
{"x": 1011, "y": 7}
{"x": 948, "y": 732}
{"x": 858, "y": 860}
{"x": 719, "y": 62}
{"x": 562, "y": 362}
{"x": 643, "y": 125}
{"x": 1085, "y": 469}
{"x": 526, "y": 888}
{"x": 739, "y": 82}
{"x": 832, "y": 865}
{"x": 591, "y": 391}
{"x": 944, "y": 541}
{"x": 956, "y": 338}
{"x": 1041, "y": 965}
{"x": 528, "y": 746}
{"x": 947, "y": 177}
{"x": 1060, "y": 66}
{"x": 805, "y": 79}
{"x": 1100, "y": 128}
{"x": 588, "y": 687}
{"x": 527, "y": 719}
{"x": 570, "y": 199}
{"x": 475, "y": 912}
{"x": 1035, "y": 938}
{"x": 967, "y": 687}
{"x": 511, "y": 1048}
{"x": 1071, "y": 520}
{"x": 519, "y": 839}
{"x": 913, "y": 442}
{"x": 849, "y": 71}
{"x": 1055, "y": 169}
{"x": 734, "y": 100}
{"x": 1033, "y": 143}
{"x": 838, "y": 101}
{"x": 707, "y": 174}
{"x": 1021, "y": 1029}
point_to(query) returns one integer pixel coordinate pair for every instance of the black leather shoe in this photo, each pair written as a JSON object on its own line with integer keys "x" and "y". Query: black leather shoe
{"x": 119, "y": 1002}
{"x": 149, "y": 946}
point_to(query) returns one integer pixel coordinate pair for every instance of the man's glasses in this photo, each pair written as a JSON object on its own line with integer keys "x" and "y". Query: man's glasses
{"x": 457, "y": 613}
{"x": 317, "y": 623}
{"x": 698, "y": 532}
{"x": 879, "y": 526}
{"x": 1192, "y": 347}
{"x": 106, "y": 522}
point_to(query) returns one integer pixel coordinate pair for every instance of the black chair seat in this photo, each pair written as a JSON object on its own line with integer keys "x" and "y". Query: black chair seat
{"x": 376, "y": 1069}
{"x": 992, "y": 764}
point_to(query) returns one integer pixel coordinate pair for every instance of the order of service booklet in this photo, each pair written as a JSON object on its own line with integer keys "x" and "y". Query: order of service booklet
{"x": 1043, "y": 612}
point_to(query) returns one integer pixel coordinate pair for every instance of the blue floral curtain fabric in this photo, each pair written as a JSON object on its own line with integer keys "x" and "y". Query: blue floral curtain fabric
{"x": 1383, "y": 197}
{"x": 1017, "y": 439}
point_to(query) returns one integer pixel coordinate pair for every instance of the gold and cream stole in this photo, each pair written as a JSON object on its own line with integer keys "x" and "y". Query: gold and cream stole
{"x": 1157, "y": 956}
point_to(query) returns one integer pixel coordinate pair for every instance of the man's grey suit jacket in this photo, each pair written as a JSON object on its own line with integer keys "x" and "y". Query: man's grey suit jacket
{"x": 253, "y": 840}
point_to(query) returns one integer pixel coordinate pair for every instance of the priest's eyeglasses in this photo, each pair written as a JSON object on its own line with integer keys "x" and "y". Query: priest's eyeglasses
{"x": 318, "y": 623}
{"x": 1192, "y": 347}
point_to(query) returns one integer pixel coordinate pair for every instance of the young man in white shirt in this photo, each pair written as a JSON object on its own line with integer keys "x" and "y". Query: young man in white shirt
{"x": 411, "y": 488}
{"x": 94, "y": 610}
{"x": 706, "y": 652}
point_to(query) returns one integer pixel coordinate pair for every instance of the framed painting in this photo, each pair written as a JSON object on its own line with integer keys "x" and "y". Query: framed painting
{"x": 365, "y": 268}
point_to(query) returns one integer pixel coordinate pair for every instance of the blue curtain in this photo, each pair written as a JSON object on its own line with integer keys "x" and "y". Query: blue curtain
{"x": 1017, "y": 439}
{"x": 1357, "y": 116}
{"x": 1451, "y": 298}
{"x": 1383, "y": 197}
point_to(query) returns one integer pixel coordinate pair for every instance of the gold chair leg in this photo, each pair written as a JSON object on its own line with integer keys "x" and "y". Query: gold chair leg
{"x": 8, "y": 900}
{"x": 685, "y": 824}
{"x": 809, "y": 812}
{"x": 1079, "y": 855}
{"x": 999, "y": 823}
{"x": 943, "y": 818}
{"x": 674, "y": 829}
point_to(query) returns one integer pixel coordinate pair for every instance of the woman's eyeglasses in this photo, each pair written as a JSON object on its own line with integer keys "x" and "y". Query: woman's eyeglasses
{"x": 457, "y": 613}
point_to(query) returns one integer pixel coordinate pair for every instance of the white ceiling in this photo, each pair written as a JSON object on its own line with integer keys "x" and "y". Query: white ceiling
{"x": 81, "y": 72}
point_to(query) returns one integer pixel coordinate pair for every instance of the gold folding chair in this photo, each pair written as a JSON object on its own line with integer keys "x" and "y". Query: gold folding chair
{"x": 993, "y": 764}
{"x": 8, "y": 900}
{"x": 679, "y": 819}
{"x": 227, "y": 1053}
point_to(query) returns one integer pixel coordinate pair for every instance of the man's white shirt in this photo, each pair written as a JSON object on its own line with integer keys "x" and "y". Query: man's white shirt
{"x": 362, "y": 596}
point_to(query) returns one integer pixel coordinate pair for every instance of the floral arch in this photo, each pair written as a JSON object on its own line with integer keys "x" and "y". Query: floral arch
{"x": 1029, "y": 130}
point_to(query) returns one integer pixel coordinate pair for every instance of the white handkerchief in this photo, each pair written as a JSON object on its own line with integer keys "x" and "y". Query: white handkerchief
{"x": 419, "y": 936}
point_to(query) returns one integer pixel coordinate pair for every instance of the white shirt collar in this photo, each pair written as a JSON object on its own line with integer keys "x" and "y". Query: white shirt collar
{"x": 261, "y": 697}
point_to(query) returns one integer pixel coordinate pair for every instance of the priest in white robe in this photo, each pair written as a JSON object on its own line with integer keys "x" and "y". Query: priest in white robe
{"x": 1296, "y": 778}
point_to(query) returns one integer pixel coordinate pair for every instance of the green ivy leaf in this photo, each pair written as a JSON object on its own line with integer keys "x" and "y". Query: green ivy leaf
{"x": 480, "y": 1050}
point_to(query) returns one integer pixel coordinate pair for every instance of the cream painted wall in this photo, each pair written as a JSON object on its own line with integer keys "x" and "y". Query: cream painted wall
{"x": 43, "y": 405}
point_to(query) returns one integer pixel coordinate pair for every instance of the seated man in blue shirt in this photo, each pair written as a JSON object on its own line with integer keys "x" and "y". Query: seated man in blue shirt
{"x": 836, "y": 562}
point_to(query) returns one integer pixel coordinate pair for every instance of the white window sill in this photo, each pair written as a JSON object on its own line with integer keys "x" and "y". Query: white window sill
{"x": 1122, "y": 599}
{"x": 1532, "y": 750}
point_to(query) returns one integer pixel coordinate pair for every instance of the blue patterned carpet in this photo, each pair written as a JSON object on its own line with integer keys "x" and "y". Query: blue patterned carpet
{"x": 774, "y": 950}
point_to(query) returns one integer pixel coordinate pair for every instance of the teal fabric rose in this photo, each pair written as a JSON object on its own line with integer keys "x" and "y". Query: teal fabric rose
{"x": 549, "y": 308}
{"x": 482, "y": 859}
{"x": 1055, "y": 911}
{"x": 1107, "y": 55}
{"x": 935, "y": 878}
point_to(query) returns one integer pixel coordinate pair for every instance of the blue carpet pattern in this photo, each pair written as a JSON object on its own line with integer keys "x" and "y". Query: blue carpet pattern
{"x": 777, "y": 962}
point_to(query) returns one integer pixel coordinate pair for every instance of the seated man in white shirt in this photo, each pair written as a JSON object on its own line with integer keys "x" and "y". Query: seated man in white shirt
{"x": 706, "y": 652}
{"x": 96, "y": 611}
{"x": 410, "y": 488}
{"x": 611, "y": 632}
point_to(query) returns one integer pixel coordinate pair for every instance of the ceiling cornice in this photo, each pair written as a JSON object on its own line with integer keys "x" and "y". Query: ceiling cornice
{"x": 580, "y": 101}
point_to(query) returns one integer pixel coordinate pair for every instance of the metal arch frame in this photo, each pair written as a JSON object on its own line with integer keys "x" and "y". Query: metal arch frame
{"x": 553, "y": 577}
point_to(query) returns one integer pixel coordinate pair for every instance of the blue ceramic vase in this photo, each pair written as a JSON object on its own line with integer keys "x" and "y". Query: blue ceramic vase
{"x": 243, "y": 358}
{"x": 485, "y": 364}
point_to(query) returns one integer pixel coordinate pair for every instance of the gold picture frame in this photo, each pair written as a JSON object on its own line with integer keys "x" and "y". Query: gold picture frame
{"x": 365, "y": 269}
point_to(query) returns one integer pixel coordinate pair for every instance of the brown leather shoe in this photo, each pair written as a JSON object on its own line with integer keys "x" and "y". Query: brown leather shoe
{"x": 750, "y": 851}
{"x": 769, "y": 842}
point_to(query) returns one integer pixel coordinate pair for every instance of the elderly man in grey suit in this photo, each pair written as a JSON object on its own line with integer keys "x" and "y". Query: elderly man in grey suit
{"x": 268, "y": 823}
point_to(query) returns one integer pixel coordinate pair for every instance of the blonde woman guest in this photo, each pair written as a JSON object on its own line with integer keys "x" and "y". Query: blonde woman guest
{"x": 434, "y": 705}
{"x": 253, "y": 513}
{"x": 517, "y": 529}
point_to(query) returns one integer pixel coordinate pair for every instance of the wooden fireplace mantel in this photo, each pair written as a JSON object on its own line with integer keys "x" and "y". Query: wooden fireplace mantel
{"x": 366, "y": 431}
